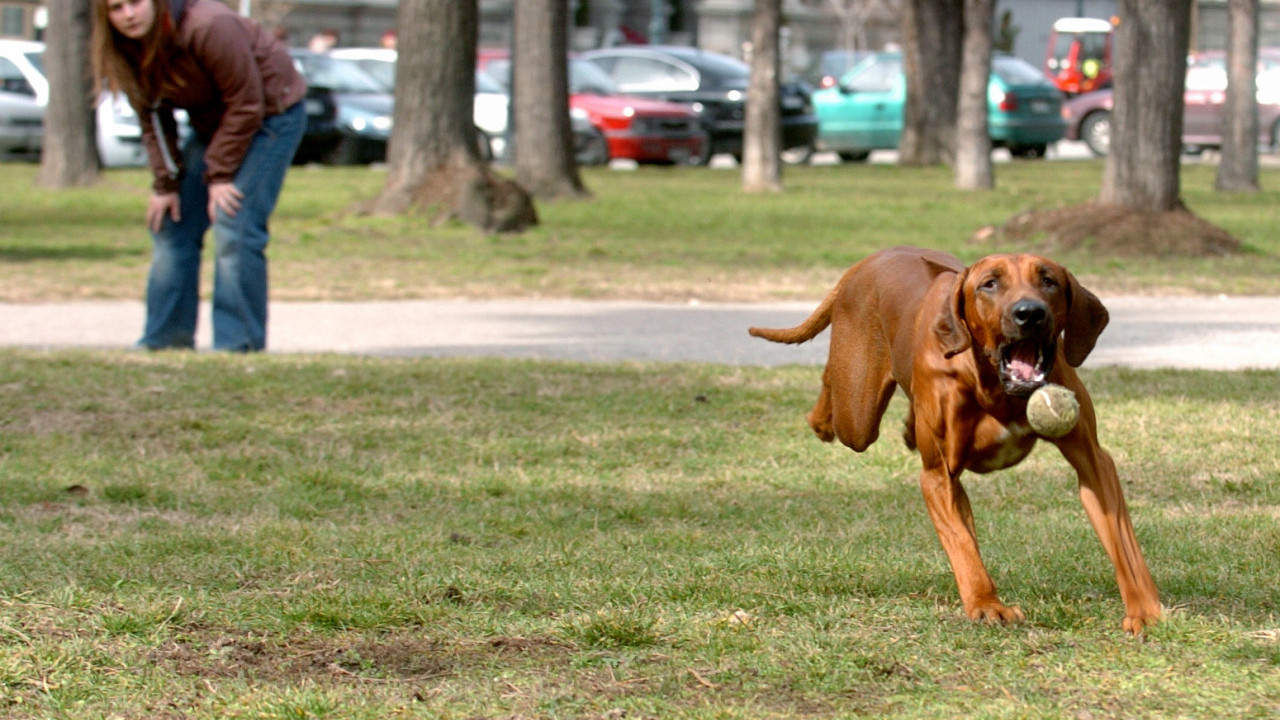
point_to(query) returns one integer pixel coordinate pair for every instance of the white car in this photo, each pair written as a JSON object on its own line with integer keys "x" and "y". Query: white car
{"x": 23, "y": 95}
{"x": 119, "y": 133}
{"x": 491, "y": 101}
{"x": 21, "y": 126}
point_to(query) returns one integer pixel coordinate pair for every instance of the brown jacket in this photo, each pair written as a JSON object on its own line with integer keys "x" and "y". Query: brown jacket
{"x": 228, "y": 74}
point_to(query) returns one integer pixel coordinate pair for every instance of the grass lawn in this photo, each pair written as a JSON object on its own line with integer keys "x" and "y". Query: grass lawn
{"x": 656, "y": 233}
{"x": 201, "y": 536}
{"x": 207, "y": 536}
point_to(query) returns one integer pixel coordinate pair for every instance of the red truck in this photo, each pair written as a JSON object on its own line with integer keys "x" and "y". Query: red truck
{"x": 1078, "y": 58}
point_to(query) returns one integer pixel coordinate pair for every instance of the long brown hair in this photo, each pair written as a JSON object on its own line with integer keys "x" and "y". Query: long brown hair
{"x": 133, "y": 67}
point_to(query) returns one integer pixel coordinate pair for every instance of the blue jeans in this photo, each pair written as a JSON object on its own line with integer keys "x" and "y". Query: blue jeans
{"x": 240, "y": 243}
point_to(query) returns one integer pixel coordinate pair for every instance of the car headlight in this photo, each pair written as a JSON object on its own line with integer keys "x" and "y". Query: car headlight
{"x": 579, "y": 114}
{"x": 377, "y": 124}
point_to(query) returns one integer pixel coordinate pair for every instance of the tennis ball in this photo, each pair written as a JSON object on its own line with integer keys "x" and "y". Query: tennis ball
{"x": 1052, "y": 410}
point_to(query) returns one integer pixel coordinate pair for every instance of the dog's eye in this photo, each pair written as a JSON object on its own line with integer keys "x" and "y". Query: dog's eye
{"x": 990, "y": 284}
{"x": 1049, "y": 283}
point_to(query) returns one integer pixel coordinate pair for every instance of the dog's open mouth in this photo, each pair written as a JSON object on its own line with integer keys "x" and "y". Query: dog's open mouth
{"x": 1025, "y": 365}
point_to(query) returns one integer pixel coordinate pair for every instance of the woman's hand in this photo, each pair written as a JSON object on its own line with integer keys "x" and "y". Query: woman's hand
{"x": 224, "y": 196}
{"x": 158, "y": 206}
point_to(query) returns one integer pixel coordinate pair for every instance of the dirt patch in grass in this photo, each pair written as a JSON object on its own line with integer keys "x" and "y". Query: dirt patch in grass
{"x": 391, "y": 658}
{"x": 1116, "y": 230}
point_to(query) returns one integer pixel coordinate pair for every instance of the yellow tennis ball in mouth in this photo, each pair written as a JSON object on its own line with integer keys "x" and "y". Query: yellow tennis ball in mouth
{"x": 1052, "y": 410}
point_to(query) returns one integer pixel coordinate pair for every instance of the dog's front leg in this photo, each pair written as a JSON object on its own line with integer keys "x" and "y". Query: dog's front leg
{"x": 1104, "y": 504}
{"x": 948, "y": 506}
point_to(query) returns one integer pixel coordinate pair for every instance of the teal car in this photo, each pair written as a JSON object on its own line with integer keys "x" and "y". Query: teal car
{"x": 863, "y": 112}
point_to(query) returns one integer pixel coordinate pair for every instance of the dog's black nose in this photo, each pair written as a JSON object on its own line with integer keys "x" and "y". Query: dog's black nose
{"x": 1029, "y": 314}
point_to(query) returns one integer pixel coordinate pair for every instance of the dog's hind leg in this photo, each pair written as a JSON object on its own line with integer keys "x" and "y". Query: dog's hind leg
{"x": 857, "y": 384}
{"x": 820, "y": 416}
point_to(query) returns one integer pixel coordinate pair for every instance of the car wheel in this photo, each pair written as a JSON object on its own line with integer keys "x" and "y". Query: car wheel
{"x": 1029, "y": 152}
{"x": 798, "y": 155}
{"x": 1095, "y": 131}
{"x": 854, "y": 155}
{"x": 346, "y": 152}
{"x": 590, "y": 149}
{"x": 703, "y": 157}
{"x": 484, "y": 145}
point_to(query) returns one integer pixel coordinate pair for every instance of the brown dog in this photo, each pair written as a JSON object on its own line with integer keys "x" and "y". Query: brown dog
{"x": 968, "y": 346}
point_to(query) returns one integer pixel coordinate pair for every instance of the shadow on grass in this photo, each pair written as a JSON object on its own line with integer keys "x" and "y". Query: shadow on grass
{"x": 67, "y": 252}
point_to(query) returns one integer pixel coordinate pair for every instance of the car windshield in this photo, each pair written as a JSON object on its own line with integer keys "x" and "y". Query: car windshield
{"x": 36, "y": 58}
{"x": 719, "y": 65}
{"x": 486, "y": 84}
{"x": 384, "y": 71}
{"x": 335, "y": 74}
{"x": 584, "y": 77}
{"x": 878, "y": 73}
{"x": 1016, "y": 71}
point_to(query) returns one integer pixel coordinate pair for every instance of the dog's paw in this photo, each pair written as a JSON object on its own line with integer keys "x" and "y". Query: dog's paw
{"x": 1136, "y": 624}
{"x": 994, "y": 611}
{"x": 822, "y": 427}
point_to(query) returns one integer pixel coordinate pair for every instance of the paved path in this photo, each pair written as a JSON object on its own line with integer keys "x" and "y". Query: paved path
{"x": 1146, "y": 332}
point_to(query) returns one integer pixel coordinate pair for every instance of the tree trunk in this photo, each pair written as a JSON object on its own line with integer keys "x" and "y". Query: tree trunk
{"x": 931, "y": 54}
{"x": 1238, "y": 170}
{"x": 973, "y": 141}
{"x": 762, "y": 135}
{"x": 433, "y": 161}
{"x": 70, "y": 155}
{"x": 540, "y": 95}
{"x": 1142, "y": 170}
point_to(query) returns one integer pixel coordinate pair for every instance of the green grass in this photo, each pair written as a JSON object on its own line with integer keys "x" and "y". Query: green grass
{"x": 656, "y": 233}
{"x": 206, "y": 536}
{"x": 212, "y": 536}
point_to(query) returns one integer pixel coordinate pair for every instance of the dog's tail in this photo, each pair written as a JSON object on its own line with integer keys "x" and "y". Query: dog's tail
{"x": 805, "y": 331}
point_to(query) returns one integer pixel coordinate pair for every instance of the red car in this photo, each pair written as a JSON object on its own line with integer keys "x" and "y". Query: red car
{"x": 646, "y": 131}
{"x": 1088, "y": 116}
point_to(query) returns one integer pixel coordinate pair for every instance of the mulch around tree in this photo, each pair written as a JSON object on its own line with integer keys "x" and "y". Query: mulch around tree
{"x": 1115, "y": 230}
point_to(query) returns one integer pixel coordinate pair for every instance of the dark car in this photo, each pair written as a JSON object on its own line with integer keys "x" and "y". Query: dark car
{"x": 348, "y": 112}
{"x": 1088, "y": 116}
{"x": 714, "y": 84}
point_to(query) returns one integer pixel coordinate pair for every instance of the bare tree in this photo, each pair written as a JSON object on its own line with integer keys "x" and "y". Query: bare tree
{"x": 931, "y": 60}
{"x": 70, "y": 155}
{"x": 433, "y": 159}
{"x": 854, "y": 15}
{"x": 973, "y": 141}
{"x": 1238, "y": 170}
{"x": 761, "y": 152}
{"x": 1139, "y": 211}
{"x": 1142, "y": 170}
{"x": 540, "y": 93}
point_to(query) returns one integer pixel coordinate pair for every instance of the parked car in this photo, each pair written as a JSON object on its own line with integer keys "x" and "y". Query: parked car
{"x": 631, "y": 128}
{"x": 491, "y": 103}
{"x": 863, "y": 112}
{"x": 833, "y": 64}
{"x": 119, "y": 136}
{"x": 714, "y": 85}
{"x": 349, "y": 112}
{"x": 1088, "y": 116}
{"x": 21, "y": 126}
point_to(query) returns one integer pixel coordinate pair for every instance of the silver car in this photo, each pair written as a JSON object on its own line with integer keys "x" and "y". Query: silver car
{"x": 26, "y": 90}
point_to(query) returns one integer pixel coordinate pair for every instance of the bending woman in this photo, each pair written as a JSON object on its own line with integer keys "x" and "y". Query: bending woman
{"x": 243, "y": 96}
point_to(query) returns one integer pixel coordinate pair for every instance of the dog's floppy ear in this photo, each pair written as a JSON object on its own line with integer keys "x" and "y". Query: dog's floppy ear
{"x": 1086, "y": 317}
{"x": 950, "y": 327}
